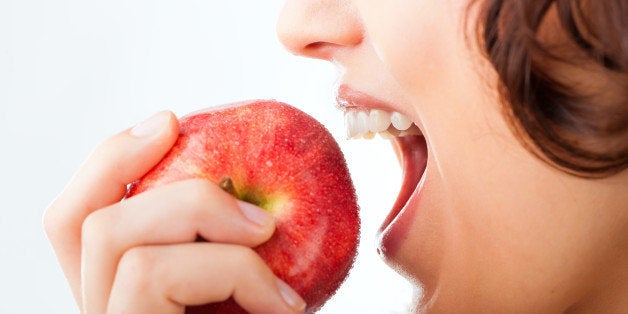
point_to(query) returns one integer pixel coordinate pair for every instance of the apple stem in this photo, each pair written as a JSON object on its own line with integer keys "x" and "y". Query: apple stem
{"x": 226, "y": 184}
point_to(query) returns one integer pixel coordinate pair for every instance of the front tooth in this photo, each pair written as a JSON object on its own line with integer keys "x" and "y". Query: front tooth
{"x": 350, "y": 123}
{"x": 379, "y": 120}
{"x": 400, "y": 122}
{"x": 361, "y": 125}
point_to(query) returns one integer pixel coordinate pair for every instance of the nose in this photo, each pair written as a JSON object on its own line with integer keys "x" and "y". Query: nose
{"x": 319, "y": 28}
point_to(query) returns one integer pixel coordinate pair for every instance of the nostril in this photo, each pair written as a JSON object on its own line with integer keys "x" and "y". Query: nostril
{"x": 320, "y": 50}
{"x": 317, "y": 29}
{"x": 317, "y": 49}
{"x": 315, "y": 46}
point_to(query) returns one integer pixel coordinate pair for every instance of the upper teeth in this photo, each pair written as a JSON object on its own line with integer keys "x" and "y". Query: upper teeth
{"x": 362, "y": 124}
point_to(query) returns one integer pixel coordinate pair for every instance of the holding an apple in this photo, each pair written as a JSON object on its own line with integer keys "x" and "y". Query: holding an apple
{"x": 178, "y": 241}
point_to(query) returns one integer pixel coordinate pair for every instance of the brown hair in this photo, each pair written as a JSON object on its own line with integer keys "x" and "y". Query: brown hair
{"x": 563, "y": 70}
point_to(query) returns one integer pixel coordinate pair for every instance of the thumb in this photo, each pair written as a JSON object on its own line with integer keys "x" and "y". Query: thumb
{"x": 122, "y": 159}
{"x": 102, "y": 181}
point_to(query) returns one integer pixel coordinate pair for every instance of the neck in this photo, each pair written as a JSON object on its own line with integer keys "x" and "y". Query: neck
{"x": 609, "y": 292}
{"x": 611, "y": 296}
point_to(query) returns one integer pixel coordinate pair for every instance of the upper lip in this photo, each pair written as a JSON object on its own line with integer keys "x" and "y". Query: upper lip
{"x": 349, "y": 98}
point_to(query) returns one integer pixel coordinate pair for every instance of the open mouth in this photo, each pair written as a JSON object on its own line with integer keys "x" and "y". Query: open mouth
{"x": 366, "y": 117}
{"x": 412, "y": 153}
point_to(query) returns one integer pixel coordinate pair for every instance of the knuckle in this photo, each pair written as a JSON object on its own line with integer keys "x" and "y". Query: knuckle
{"x": 200, "y": 189}
{"x": 257, "y": 269}
{"x": 53, "y": 224}
{"x": 135, "y": 269}
{"x": 107, "y": 145}
{"x": 248, "y": 258}
{"x": 108, "y": 154}
{"x": 94, "y": 228}
{"x": 200, "y": 193}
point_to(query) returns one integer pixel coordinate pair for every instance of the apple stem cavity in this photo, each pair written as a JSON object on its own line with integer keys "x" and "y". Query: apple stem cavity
{"x": 226, "y": 184}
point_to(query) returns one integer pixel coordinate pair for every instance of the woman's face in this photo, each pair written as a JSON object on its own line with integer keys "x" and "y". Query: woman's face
{"x": 489, "y": 227}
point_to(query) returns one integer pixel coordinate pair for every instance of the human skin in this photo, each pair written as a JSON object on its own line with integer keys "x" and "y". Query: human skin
{"x": 494, "y": 228}
{"x": 140, "y": 255}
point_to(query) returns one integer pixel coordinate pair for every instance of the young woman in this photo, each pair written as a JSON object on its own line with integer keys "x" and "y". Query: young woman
{"x": 515, "y": 196}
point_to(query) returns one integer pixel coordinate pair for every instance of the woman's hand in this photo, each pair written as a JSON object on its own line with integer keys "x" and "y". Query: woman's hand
{"x": 140, "y": 255}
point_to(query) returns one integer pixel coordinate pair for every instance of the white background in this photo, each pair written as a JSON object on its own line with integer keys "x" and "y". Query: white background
{"x": 73, "y": 72}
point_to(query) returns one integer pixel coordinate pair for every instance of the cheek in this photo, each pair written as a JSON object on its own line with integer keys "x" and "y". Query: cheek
{"x": 414, "y": 39}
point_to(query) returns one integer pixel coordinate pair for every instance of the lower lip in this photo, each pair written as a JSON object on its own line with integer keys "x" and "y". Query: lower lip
{"x": 393, "y": 234}
{"x": 394, "y": 230}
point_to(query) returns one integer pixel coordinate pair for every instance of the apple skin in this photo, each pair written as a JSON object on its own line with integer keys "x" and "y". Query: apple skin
{"x": 286, "y": 162}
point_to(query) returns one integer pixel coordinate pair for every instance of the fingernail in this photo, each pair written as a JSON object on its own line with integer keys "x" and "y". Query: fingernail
{"x": 255, "y": 214}
{"x": 290, "y": 296}
{"x": 152, "y": 125}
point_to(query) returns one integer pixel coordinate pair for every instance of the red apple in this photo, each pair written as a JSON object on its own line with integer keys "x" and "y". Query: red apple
{"x": 286, "y": 162}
